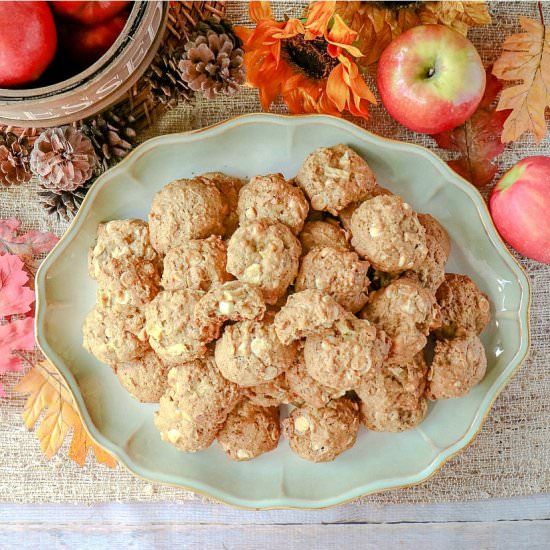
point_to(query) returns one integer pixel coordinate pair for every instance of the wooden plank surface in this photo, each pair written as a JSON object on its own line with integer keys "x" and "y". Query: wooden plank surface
{"x": 515, "y": 523}
{"x": 532, "y": 535}
{"x": 515, "y": 509}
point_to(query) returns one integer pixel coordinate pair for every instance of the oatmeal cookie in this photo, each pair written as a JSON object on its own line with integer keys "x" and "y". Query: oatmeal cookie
{"x": 178, "y": 428}
{"x": 198, "y": 264}
{"x": 340, "y": 356}
{"x": 305, "y": 389}
{"x": 270, "y": 394}
{"x": 457, "y": 366}
{"x": 229, "y": 187}
{"x": 172, "y": 333}
{"x": 144, "y": 378}
{"x": 333, "y": 177}
{"x": 345, "y": 215}
{"x": 125, "y": 241}
{"x": 250, "y": 353}
{"x": 337, "y": 272}
{"x": 183, "y": 210}
{"x": 437, "y": 231}
{"x": 273, "y": 198}
{"x": 387, "y": 232}
{"x": 265, "y": 254}
{"x": 232, "y": 301}
{"x": 464, "y": 308}
{"x": 115, "y": 335}
{"x": 322, "y": 233}
{"x": 249, "y": 431}
{"x": 431, "y": 272}
{"x": 406, "y": 312}
{"x": 125, "y": 283}
{"x": 199, "y": 388}
{"x": 306, "y": 313}
{"x": 195, "y": 405}
{"x": 392, "y": 400}
{"x": 321, "y": 434}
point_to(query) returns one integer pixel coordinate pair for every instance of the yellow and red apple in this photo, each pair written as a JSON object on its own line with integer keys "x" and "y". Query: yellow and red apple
{"x": 520, "y": 206}
{"x": 431, "y": 79}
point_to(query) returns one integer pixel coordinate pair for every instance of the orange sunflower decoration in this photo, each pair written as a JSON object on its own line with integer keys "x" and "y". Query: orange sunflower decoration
{"x": 309, "y": 63}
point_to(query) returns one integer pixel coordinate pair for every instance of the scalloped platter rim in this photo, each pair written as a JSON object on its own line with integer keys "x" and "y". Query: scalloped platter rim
{"x": 244, "y": 146}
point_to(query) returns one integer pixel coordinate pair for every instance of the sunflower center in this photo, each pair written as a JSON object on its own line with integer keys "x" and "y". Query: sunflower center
{"x": 309, "y": 56}
{"x": 395, "y": 5}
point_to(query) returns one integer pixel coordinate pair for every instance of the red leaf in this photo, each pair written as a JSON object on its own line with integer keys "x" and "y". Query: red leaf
{"x": 478, "y": 139}
{"x": 9, "y": 227}
{"x": 492, "y": 89}
{"x": 17, "y": 335}
{"x": 28, "y": 244}
{"x": 15, "y": 297}
{"x": 39, "y": 242}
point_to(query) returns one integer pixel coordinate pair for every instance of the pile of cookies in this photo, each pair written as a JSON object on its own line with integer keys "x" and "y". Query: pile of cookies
{"x": 324, "y": 293}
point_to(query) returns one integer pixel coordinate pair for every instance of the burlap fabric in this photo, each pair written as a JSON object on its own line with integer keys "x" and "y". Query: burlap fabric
{"x": 511, "y": 455}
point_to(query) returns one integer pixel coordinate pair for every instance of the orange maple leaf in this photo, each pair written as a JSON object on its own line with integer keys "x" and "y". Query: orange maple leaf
{"x": 526, "y": 57}
{"x": 49, "y": 392}
{"x": 478, "y": 139}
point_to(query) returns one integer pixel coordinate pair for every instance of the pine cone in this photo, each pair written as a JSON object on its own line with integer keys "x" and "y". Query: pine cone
{"x": 64, "y": 204}
{"x": 219, "y": 26}
{"x": 63, "y": 158}
{"x": 14, "y": 159}
{"x": 112, "y": 136}
{"x": 164, "y": 78}
{"x": 213, "y": 62}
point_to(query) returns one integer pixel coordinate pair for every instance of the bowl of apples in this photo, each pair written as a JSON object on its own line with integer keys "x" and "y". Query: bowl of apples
{"x": 64, "y": 61}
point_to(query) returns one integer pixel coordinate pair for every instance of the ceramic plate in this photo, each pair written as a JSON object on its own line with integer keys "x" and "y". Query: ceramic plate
{"x": 258, "y": 144}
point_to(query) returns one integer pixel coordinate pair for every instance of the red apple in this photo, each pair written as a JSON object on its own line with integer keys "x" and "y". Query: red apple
{"x": 27, "y": 42}
{"x": 88, "y": 13}
{"x": 520, "y": 207}
{"x": 431, "y": 79}
{"x": 85, "y": 44}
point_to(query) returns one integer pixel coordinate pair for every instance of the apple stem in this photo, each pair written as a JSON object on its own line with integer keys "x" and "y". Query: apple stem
{"x": 541, "y": 12}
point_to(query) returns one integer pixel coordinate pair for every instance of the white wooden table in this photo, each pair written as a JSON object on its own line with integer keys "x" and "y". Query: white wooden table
{"x": 514, "y": 523}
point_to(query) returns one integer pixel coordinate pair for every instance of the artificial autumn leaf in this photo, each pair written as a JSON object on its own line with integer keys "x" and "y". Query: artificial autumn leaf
{"x": 27, "y": 244}
{"x": 478, "y": 139}
{"x": 458, "y": 15}
{"x": 526, "y": 57}
{"x": 81, "y": 445}
{"x": 14, "y": 336}
{"x": 48, "y": 392}
{"x": 16, "y": 252}
{"x": 15, "y": 296}
{"x": 377, "y": 25}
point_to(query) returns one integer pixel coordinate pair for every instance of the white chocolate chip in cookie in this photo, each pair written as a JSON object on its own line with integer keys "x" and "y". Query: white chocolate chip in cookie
{"x": 302, "y": 424}
{"x": 258, "y": 346}
{"x": 252, "y": 273}
{"x": 226, "y": 307}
